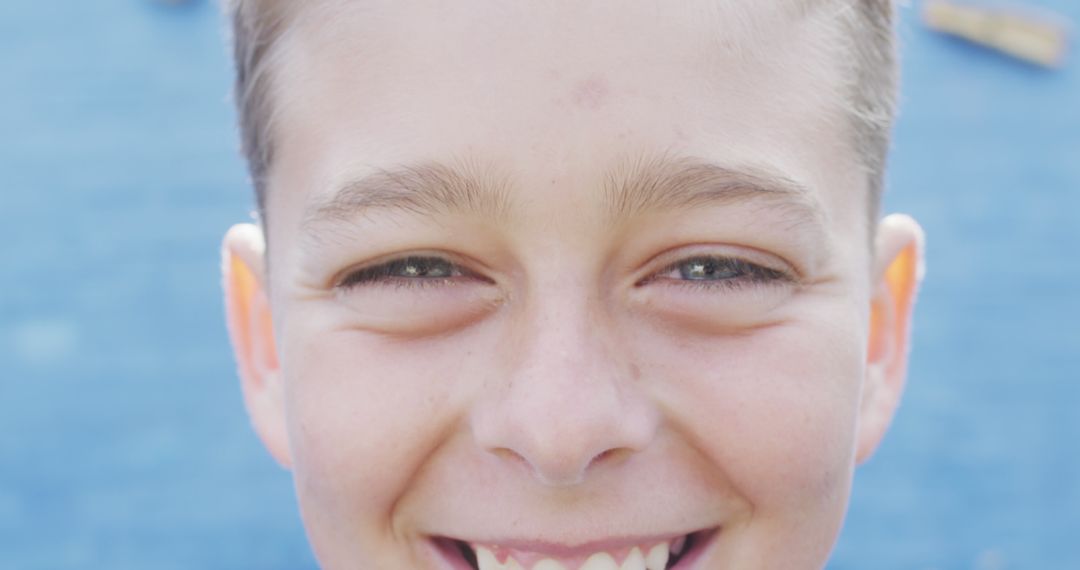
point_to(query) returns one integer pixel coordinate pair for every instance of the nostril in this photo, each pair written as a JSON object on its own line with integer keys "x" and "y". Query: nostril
{"x": 510, "y": 456}
{"x": 611, "y": 455}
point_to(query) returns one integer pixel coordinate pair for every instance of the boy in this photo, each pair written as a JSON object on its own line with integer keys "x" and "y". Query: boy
{"x": 573, "y": 284}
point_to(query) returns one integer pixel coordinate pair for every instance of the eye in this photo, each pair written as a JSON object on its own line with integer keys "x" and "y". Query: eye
{"x": 721, "y": 272}
{"x": 411, "y": 271}
{"x": 415, "y": 294}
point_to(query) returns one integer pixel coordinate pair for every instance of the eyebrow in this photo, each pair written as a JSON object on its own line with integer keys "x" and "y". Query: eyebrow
{"x": 665, "y": 182}
{"x": 637, "y": 186}
{"x": 426, "y": 189}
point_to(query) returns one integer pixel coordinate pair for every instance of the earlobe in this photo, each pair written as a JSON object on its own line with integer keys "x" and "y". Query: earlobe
{"x": 248, "y": 316}
{"x": 897, "y": 275}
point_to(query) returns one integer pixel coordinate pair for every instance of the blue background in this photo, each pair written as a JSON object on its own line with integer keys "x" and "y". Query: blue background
{"x": 123, "y": 441}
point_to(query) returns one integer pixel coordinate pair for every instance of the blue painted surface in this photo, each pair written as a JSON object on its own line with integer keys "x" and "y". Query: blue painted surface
{"x": 123, "y": 443}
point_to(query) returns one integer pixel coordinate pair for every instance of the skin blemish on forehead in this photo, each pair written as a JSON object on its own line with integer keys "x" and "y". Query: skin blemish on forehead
{"x": 591, "y": 93}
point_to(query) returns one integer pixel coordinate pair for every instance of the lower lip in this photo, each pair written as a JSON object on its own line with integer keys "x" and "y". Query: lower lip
{"x": 446, "y": 556}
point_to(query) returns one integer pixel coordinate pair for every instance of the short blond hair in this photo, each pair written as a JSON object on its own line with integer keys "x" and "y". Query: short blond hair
{"x": 259, "y": 25}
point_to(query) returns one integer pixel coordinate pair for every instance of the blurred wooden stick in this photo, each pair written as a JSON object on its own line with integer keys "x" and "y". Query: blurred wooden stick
{"x": 1037, "y": 40}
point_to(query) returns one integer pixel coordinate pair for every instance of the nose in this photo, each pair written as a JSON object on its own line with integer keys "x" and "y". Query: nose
{"x": 568, "y": 402}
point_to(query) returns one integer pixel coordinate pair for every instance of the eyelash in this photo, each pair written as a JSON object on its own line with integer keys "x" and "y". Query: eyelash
{"x": 748, "y": 274}
{"x": 387, "y": 273}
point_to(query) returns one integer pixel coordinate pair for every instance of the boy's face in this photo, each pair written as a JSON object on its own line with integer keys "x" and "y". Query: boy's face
{"x": 555, "y": 279}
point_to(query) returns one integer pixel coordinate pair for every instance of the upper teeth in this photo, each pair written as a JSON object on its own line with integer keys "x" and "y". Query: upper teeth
{"x": 655, "y": 559}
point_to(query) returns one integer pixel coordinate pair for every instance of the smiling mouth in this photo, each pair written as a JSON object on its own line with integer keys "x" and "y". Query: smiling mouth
{"x": 652, "y": 554}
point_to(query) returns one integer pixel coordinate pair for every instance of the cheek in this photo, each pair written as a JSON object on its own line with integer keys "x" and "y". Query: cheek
{"x": 364, "y": 413}
{"x": 773, "y": 409}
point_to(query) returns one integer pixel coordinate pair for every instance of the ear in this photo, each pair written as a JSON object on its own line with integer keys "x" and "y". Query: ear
{"x": 247, "y": 312}
{"x": 898, "y": 271}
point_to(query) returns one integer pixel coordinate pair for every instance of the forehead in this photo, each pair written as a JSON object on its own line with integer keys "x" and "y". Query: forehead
{"x": 558, "y": 91}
